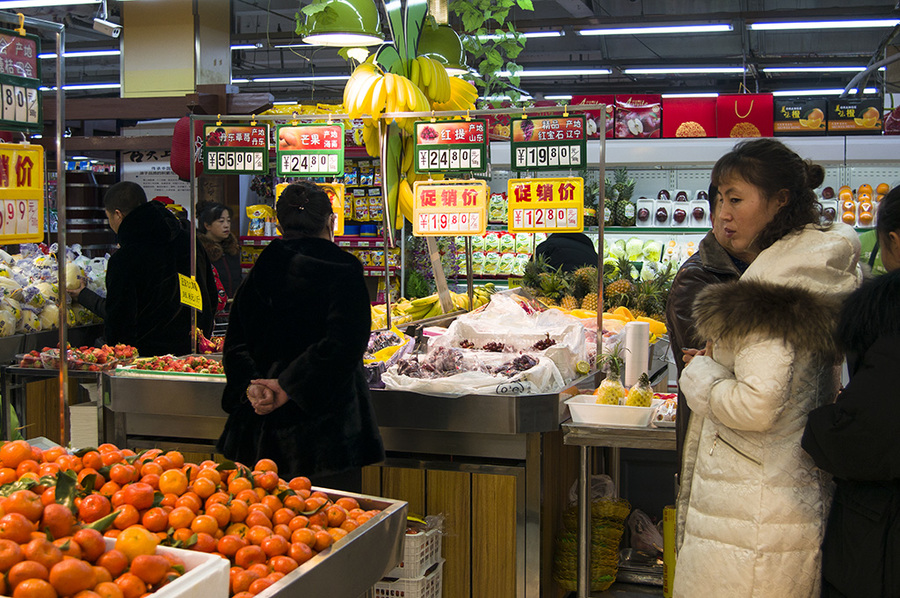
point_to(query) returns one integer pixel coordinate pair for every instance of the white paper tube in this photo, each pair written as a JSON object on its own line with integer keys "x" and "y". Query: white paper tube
{"x": 637, "y": 351}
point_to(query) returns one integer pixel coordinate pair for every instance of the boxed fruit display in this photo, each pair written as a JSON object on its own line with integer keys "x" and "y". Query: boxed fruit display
{"x": 689, "y": 117}
{"x": 854, "y": 116}
{"x": 593, "y": 124}
{"x": 800, "y": 116}
{"x": 745, "y": 115}
{"x": 638, "y": 116}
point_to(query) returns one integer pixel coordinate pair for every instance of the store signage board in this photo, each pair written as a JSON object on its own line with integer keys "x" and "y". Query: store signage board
{"x": 20, "y": 80}
{"x": 236, "y": 149}
{"x": 451, "y": 207}
{"x": 21, "y": 193}
{"x": 546, "y": 205}
{"x": 335, "y": 192}
{"x": 190, "y": 292}
{"x": 451, "y": 146}
{"x": 548, "y": 143}
{"x": 312, "y": 149}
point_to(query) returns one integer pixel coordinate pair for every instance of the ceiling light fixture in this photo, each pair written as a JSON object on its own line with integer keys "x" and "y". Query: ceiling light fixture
{"x": 691, "y": 95}
{"x": 563, "y": 97}
{"x": 815, "y": 69}
{"x": 297, "y": 45}
{"x": 256, "y": 46}
{"x": 299, "y": 79}
{"x": 503, "y": 98}
{"x": 525, "y": 34}
{"x": 6, "y": 4}
{"x": 844, "y": 24}
{"x": 819, "y": 92}
{"x": 713, "y": 70}
{"x": 443, "y": 45}
{"x": 84, "y": 54}
{"x": 660, "y": 30}
{"x": 345, "y": 23}
{"x": 556, "y": 73}
{"x": 84, "y": 86}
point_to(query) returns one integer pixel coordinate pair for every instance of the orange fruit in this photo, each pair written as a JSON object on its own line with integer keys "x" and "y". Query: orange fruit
{"x": 131, "y": 585}
{"x": 865, "y": 188}
{"x": 249, "y": 555}
{"x": 191, "y": 501}
{"x": 127, "y": 517}
{"x": 304, "y": 535}
{"x": 300, "y": 483}
{"x": 181, "y": 517}
{"x": 71, "y": 576}
{"x": 34, "y": 588}
{"x": 283, "y": 564}
{"x": 205, "y": 523}
{"x": 336, "y": 515}
{"x": 323, "y": 541}
{"x": 101, "y": 575}
{"x": 14, "y": 452}
{"x": 241, "y": 581}
{"x": 122, "y": 473}
{"x": 220, "y": 513}
{"x": 26, "y": 570}
{"x": 275, "y": 545}
{"x": 347, "y": 502}
{"x": 229, "y": 544}
{"x": 139, "y": 495}
{"x": 205, "y": 542}
{"x": 94, "y": 507}
{"x": 92, "y": 459}
{"x": 257, "y": 534}
{"x": 68, "y": 546}
{"x": 110, "y": 457}
{"x": 882, "y": 189}
{"x": 25, "y": 502}
{"x": 57, "y": 519}
{"x": 266, "y": 465}
{"x": 16, "y": 527}
{"x": 136, "y": 540}
{"x": 173, "y": 481}
{"x": 27, "y": 466}
{"x": 10, "y": 554}
{"x": 151, "y": 568}
{"x": 259, "y": 585}
{"x": 91, "y": 542}
{"x": 203, "y": 487}
{"x": 42, "y": 551}
{"x": 300, "y": 552}
{"x": 238, "y": 509}
{"x": 113, "y": 561}
{"x": 155, "y": 519}
{"x": 108, "y": 589}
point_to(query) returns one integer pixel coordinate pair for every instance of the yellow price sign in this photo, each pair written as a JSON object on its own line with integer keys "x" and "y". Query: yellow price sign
{"x": 190, "y": 292}
{"x": 21, "y": 193}
{"x": 546, "y": 205}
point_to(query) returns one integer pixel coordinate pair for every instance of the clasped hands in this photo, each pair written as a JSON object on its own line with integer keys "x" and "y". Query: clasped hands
{"x": 689, "y": 354}
{"x": 266, "y": 395}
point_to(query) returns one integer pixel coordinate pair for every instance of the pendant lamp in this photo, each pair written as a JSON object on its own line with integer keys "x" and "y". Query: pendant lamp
{"x": 443, "y": 44}
{"x": 344, "y": 23}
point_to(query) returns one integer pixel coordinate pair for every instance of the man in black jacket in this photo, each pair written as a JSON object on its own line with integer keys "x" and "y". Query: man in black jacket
{"x": 569, "y": 250}
{"x": 143, "y": 295}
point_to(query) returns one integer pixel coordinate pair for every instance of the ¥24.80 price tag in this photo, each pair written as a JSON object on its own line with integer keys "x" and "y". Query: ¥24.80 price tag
{"x": 546, "y": 205}
{"x": 449, "y": 207}
{"x": 310, "y": 150}
{"x": 451, "y": 146}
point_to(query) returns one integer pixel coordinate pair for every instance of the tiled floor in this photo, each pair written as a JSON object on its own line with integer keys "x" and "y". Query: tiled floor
{"x": 627, "y": 590}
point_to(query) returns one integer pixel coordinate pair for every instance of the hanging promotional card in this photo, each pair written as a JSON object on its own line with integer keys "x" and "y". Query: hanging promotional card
{"x": 745, "y": 115}
{"x": 689, "y": 117}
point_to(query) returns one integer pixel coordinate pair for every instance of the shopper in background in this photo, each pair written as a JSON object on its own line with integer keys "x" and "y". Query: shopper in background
{"x": 710, "y": 264}
{"x": 222, "y": 247}
{"x": 143, "y": 294}
{"x": 855, "y": 439}
{"x": 752, "y": 505}
{"x": 298, "y": 329}
{"x": 568, "y": 250}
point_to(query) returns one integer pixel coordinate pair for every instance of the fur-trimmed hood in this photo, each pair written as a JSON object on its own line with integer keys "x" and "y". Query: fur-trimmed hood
{"x": 216, "y": 249}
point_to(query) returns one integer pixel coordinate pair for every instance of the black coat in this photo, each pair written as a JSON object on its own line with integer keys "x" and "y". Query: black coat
{"x": 569, "y": 250}
{"x": 143, "y": 294}
{"x": 302, "y": 316}
{"x": 856, "y": 440}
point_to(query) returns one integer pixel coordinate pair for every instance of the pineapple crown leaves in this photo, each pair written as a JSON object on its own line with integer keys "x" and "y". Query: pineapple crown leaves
{"x": 613, "y": 360}
{"x": 643, "y": 380}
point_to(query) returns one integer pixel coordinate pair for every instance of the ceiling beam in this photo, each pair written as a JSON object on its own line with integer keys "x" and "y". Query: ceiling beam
{"x": 576, "y": 8}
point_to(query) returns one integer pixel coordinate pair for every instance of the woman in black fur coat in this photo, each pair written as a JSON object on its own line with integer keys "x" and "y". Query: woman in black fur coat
{"x": 223, "y": 249}
{"x": 299, "y": 326}
{"x": 856, "y": 438}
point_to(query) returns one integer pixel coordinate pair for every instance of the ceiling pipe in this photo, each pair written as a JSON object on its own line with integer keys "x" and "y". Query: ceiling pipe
{"x": 863, "y": 74}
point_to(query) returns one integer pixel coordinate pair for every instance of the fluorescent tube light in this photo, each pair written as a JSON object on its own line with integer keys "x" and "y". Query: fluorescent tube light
{"x": 503, "y": 98}
{"x": 240, "y": 80}
{"x": 819, "y": 92}
{"x": 794, "y": 25}
{"x": 690, "y": 95}
{"x": 285, "y": 103}
{"x": 84, "y": 86}
{"x": 81, "y": 54}
{"x": 292, "y": 79}
{"x": 724, "y": 70}
{"x": 556, "y": 72}
{"x": 297, "y": 45}
{"x": 525, "y": 34}
{"x": 658, "y": 30}
{"x": 815, "y": 69}
{"x": 557, "y": 97}
{"x": 246, "y": 47}
{"x": 42, "y": 3}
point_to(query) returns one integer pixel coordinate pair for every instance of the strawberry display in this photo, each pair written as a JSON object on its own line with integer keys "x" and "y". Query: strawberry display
{"x": 193, "y": 364}
{"x": 93, "y": 359}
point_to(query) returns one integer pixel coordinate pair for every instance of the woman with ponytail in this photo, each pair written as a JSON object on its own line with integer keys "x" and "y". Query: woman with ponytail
{"x": 752, "y": 504}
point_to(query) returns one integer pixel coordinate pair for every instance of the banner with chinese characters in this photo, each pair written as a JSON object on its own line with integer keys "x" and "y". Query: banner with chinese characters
{"x": 236, "y": 149}
{"x": 449, "y": 207}
{"x": 546, "y": 205}
{"x": 310, "y": 150}
{"x": 335, "y": 193}
{"x": 549, "y": 143}
{"x": 20, "y": 80}
{"x": 451, "y": 146}
{"x": 21, "y": 193}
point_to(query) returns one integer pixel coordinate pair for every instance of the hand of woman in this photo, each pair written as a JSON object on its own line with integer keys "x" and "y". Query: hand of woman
{"x": 261, "y": 398}
{"x": 689, "y": 354}
{"x": 77, "y": 291}
{"x": 273, "y": 390}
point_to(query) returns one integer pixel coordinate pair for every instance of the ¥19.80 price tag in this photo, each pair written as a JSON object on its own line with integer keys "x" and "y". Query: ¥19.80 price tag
{"x": 21, "y": 193}
{"x": 551, "y": 143}
{"x": 450, "y": 207}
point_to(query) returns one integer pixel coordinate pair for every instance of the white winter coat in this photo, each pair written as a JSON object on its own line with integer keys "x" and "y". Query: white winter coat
{"x": 752, "y": 505}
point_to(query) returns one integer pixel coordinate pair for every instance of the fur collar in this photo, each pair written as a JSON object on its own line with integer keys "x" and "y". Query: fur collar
{"x": 216, "y": 250}
{"x": 734, "y": 310}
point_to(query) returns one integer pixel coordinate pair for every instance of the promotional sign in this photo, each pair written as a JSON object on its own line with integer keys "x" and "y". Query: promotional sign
{"x": 20, "y": 80}
{"x": 546, "y": 205}
{"x": 310, "y": 149}
{"x": 335, "y": 193}
{"x": 190, "y": 292}
{"x": 848, "y": 116}
{"x": 451, "y": 146}
{"x": 21, "y": 193}
{"x": 449, "y": 207}
{"x": 236, "y": 149}
{"x": 552, "y": 143}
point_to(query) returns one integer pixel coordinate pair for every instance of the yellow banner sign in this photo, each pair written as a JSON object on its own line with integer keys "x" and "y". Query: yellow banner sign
{"x": 190, "y": 292}
{"x": 21, "y": 193}
{"x": 546, "y": 205}
{"x": 450, "y": 207}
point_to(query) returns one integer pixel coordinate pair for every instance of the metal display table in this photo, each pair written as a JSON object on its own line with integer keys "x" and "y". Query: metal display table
{"x": 586, "y": 437}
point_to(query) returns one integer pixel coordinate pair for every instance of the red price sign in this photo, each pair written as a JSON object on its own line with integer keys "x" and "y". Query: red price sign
{"x": 21, "y": 193}
{"x": 546, "y": 205}
{"x": 450, "y": 207}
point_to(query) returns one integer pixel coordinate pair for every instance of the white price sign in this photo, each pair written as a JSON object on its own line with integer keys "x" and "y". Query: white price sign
{"x": 235, "y": 161}
{"x": 548, "y": 156}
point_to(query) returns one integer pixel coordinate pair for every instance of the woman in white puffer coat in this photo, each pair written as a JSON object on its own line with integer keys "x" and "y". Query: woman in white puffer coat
{"x": 752, "y": 505}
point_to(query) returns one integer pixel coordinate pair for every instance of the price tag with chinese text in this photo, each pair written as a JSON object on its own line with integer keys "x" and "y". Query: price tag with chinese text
{"x": 21, "y": 193}
{"x": 449, "y": 207}
{"x": 546, "y": 205}
{"x": 549, "y": 143}
{"x": 190, "y": 292}
{"x": 310, "y": 150}
{"x": 20, "y": 81}
{"x": 451, "y": 146}
{"x": 236, "y": 149}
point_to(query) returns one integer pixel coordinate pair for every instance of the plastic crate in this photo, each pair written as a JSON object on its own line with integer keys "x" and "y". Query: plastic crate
{"x": 427, "y": 586}
{"x": 421, "y": 550}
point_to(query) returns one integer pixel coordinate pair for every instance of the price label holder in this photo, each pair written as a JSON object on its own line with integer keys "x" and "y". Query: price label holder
{"x": 236, "y": 149}
{"x": 451, "y": 207}
{"x": 546, "y": 205}
{"x": 21, "y": 193}
{"x": 451, "y": 146}
{"x": 310, "y": 149}
{"x": 548, "y": 143}
{"x": 335, "y": 192}
{"x": 190, "y": 292}
{"x": 20, "y": 82}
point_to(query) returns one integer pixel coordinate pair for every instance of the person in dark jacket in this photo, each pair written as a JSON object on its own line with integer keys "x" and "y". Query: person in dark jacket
{"x": 569, "y": 250}
{"x": 855, "y": 438}
{"x": 299, "y": 326}
{"x": 223, "y": 249}
{"x": 710, "y": 264}
{"x": 143, "y": 294}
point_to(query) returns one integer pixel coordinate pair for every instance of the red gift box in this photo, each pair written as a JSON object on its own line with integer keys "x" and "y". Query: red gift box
{"x": 745, "y": 115}
{"x": 638, "y": 116}
{"x": 593, "y": 116}
{"x": 689, "y": 117}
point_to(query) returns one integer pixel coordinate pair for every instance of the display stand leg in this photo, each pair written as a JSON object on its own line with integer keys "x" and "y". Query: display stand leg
{"x": 440, "y": 280}
{"x": 470, "y": 286}
{"x": 584, "y": 524}
{"x": 6, "y": 405}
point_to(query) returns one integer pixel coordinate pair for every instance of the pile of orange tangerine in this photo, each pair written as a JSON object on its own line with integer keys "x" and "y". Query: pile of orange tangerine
{"x": 265, "y": 526}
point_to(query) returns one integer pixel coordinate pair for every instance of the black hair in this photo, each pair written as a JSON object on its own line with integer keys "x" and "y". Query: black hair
{"x": 303, "y": 210}
{"x": 208, "y": 212}
{"x": 712, "y": 195}
{"x": 772, "y": 166}
{"x": 869, "y": 312}
{"x": 124, "y": 196}
{"x": 889, "y": 214}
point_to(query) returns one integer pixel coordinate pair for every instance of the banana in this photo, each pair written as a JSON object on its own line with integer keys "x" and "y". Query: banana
{"x": 359, "y": 82}
{"x": 429, "y": 300}
{"x": 400, "y": 92}
{"x": 434, "y": 311}
{"x": 361, "y": 95}
{"x": 414, "y": 71}
{"x": 425, "y": 70}
{"x": 405, "y": 200}
{"x": 408, "y": 151}
{"x": 390, "y": 81}
{"x": 379, "y": 95}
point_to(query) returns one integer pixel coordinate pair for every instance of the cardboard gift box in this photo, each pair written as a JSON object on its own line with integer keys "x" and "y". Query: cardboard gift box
{"x": 853, "y": 116}
{"x": 745, "y": 115}
{"x": 689, "y": 117}
{"x": 593, "y": 116}
{"x": 638, "y": 116}
{"x": 800, "y": 116}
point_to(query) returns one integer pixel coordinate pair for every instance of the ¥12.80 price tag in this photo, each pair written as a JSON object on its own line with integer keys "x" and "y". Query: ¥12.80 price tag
{"x": 450, "y": 207}
{"x": 552, "y": 143}
{"x": 546, "y": 205}
{"x": 310, "y": 150}
{"x": 236, "y": 149}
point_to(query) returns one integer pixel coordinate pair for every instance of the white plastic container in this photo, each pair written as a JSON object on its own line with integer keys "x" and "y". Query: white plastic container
{"x": 585, "y": 410}
{"x": 427, "y": 586}
{"x": 421, "y": 550}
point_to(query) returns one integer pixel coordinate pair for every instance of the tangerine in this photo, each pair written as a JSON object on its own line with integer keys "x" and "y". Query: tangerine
{"x": 283, "y": 564}
{"x": 151, "y": 568}
{"x": 205, "y": 523}
{"x": 57, "y": 519}
{"x": 10, "y": 554}
{"x": 275, "y": 545}
{"x": 91, "y": 542}
{"x": 249, "y": 555}
{"x": 25, "y": 570}
{"x": 300, "y": 552}
{"x": 229, "y": 544}
{"x": 25, "y": 502}
{"x": 70, "y": 576}
{"x": 155, "y": 519}
{"x": 42, "y": 551}
{"x": 131, "y": 585}
{"x": 127, "y": 517}
{"x": 14, "y": 452}
{"x": 94, "y": 507}
{"x": 259, "y": 585}
{"x": 205, "y": 543}
{"x": 139, "y": 495}
{"x": 16, "y": 527}
{"x": 136, "y": 540}
{"x": 34, "y": 588}
{"x": 113, "y": 561}
{"x": 107, "y": 589}
{"x": 68, "y": 547}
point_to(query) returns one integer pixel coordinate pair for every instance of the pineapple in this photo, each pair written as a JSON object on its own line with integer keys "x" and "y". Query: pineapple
{"x": 553, "y": 286}
{"x": 611, "y": 391}
{"x": 623, "y": 185}
{"x": 640, "y": 395}
{"x": 620, "y": 291}
{"x": 569, "y": 302}
{"x": 590, "y": 301}
{"x": 625, "y": 211}
{"x": 533, "y": 269}
{"x": 585, "y": 281}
